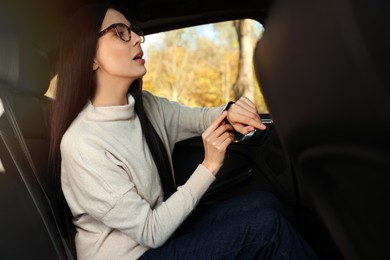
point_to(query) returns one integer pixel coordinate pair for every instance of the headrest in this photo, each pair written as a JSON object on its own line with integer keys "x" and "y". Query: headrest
{"x": 22, "y": 67}
{"x": 321, "y": 76}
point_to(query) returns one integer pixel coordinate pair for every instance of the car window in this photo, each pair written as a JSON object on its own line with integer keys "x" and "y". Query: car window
{"x": 200, "y": 66}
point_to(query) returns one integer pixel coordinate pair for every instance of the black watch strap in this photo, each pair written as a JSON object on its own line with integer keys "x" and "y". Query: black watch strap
{"x": 229, "y": 104}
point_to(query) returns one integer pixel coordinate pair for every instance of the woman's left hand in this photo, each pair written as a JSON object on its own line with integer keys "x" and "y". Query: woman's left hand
{"x": 243, "y": 116}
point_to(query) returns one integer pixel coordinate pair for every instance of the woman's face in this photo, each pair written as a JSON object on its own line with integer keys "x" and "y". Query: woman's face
{"x": 115, "y": 58}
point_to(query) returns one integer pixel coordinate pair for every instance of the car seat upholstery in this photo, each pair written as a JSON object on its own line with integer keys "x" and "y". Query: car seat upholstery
{"x": 29, "y": 228}
{"x": 323, "y": 69}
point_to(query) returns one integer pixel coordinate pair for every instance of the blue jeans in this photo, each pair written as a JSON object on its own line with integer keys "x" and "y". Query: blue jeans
{"x": 247, "y": 227}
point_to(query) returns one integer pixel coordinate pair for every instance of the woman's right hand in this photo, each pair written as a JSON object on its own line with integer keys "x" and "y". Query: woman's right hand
{"x": 216, "y": 138}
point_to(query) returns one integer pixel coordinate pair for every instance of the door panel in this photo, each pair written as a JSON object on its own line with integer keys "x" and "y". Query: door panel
{"x": 258, "y": 164}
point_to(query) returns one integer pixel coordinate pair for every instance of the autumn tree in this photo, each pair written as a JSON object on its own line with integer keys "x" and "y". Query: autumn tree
{"x": 244, "y": 85}
{"x": 185, "y": 68}
{"x": 198, "y": 66}
{"x": 227, "y": 52}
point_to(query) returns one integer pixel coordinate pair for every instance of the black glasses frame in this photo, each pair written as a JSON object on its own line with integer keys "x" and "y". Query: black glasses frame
{"x": 132, "y": 28}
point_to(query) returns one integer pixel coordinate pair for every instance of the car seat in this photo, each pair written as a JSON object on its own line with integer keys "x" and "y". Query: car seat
{"x": 323, "y": 70}
{"x": 29, "y": 228}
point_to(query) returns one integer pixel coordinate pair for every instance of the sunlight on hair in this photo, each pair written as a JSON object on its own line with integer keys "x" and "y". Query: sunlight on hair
{"x": 1, "y": 108}
{"x": 52, "y": 87}
{"x": 2, "y": 170}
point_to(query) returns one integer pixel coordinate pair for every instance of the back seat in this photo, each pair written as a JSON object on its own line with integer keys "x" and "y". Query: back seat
{"x": 28, "y": 226}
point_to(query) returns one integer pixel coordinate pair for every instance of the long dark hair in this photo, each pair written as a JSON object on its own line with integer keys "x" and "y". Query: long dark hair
{"x": 76, "y": 85}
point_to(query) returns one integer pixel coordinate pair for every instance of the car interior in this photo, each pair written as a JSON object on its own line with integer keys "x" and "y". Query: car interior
{"x": 340, "y": 152}
{"x": 322, "y": 67}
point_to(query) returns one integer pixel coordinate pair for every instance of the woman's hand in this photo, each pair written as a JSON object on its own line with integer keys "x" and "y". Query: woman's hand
{"x": 216, "y": 139}
{"x": 243, "y": 116}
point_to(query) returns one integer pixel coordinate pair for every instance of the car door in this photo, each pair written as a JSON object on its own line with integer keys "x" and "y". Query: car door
{"x": 255, "y": 164}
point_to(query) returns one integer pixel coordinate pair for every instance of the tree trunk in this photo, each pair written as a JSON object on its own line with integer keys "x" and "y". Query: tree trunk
{"x": 244, "y": 85}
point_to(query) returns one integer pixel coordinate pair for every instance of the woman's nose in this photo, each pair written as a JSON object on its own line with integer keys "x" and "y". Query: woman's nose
{"x": 136, "y": 38}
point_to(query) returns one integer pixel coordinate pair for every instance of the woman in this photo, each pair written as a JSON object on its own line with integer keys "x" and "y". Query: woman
{"x": 111, "y": 143}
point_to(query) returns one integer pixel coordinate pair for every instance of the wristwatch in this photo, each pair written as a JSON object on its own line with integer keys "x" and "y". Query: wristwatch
{"x": 228, "y": 105}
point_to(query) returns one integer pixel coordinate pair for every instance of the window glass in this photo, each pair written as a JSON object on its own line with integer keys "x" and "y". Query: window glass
{"x": 200, "y": 66}
{"x": 205, "y": 65}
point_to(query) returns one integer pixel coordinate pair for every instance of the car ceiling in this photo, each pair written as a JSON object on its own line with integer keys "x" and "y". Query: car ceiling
{"x": 40, "y": 21}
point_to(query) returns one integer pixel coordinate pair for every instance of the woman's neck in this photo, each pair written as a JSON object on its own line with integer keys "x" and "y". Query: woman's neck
{"x": 104, "y": 100}
{"x": 111, "y": 94}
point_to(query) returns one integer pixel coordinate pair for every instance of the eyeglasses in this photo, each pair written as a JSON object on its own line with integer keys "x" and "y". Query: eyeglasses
{"x": 124, "y": 32}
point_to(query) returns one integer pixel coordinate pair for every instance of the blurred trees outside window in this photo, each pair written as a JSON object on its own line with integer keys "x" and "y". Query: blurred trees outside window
{"x": 206, "y": 65}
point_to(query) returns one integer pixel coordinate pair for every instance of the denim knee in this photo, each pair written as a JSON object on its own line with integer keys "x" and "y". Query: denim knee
{"x": 261, "y": 200}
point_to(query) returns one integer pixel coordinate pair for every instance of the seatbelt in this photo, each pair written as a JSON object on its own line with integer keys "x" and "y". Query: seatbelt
{"x": 4, "y": 98}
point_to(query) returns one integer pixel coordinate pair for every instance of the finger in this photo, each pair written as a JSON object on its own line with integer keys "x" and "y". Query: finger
{"x": 243, "y": 129}
{"x": 244, "y": 107}
{"x": 247, "y": 104}
{"x": 223, "y": 128}
{"x": 227, "y": 140}
{"x": 253, "y": 122}
{"x": 219, "y": 135}
{"x": 216, "y": 123}
{"x": 246, "y": 119}
{"x": 221, "y": 142}
{"x": 242, "y": 113}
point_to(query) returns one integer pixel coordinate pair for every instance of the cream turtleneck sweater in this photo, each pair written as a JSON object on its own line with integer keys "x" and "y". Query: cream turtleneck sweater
{"x": 111, "y": 183}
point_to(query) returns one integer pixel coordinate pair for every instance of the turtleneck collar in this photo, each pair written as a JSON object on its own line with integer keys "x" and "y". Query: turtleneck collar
{"x": 110, "y": 113}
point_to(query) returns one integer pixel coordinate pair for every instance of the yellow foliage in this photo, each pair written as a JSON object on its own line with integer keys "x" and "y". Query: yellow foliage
{"x": 194, "y": 70}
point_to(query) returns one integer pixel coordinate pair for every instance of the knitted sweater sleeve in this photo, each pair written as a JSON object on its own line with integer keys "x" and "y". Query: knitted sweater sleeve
{"x": 150, "y": 226}
{"x": 179, "y": 122}
{"x": 97, "y": 184}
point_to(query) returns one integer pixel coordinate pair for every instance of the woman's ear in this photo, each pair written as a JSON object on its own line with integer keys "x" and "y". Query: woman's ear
{"x": 95, "y": 65}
